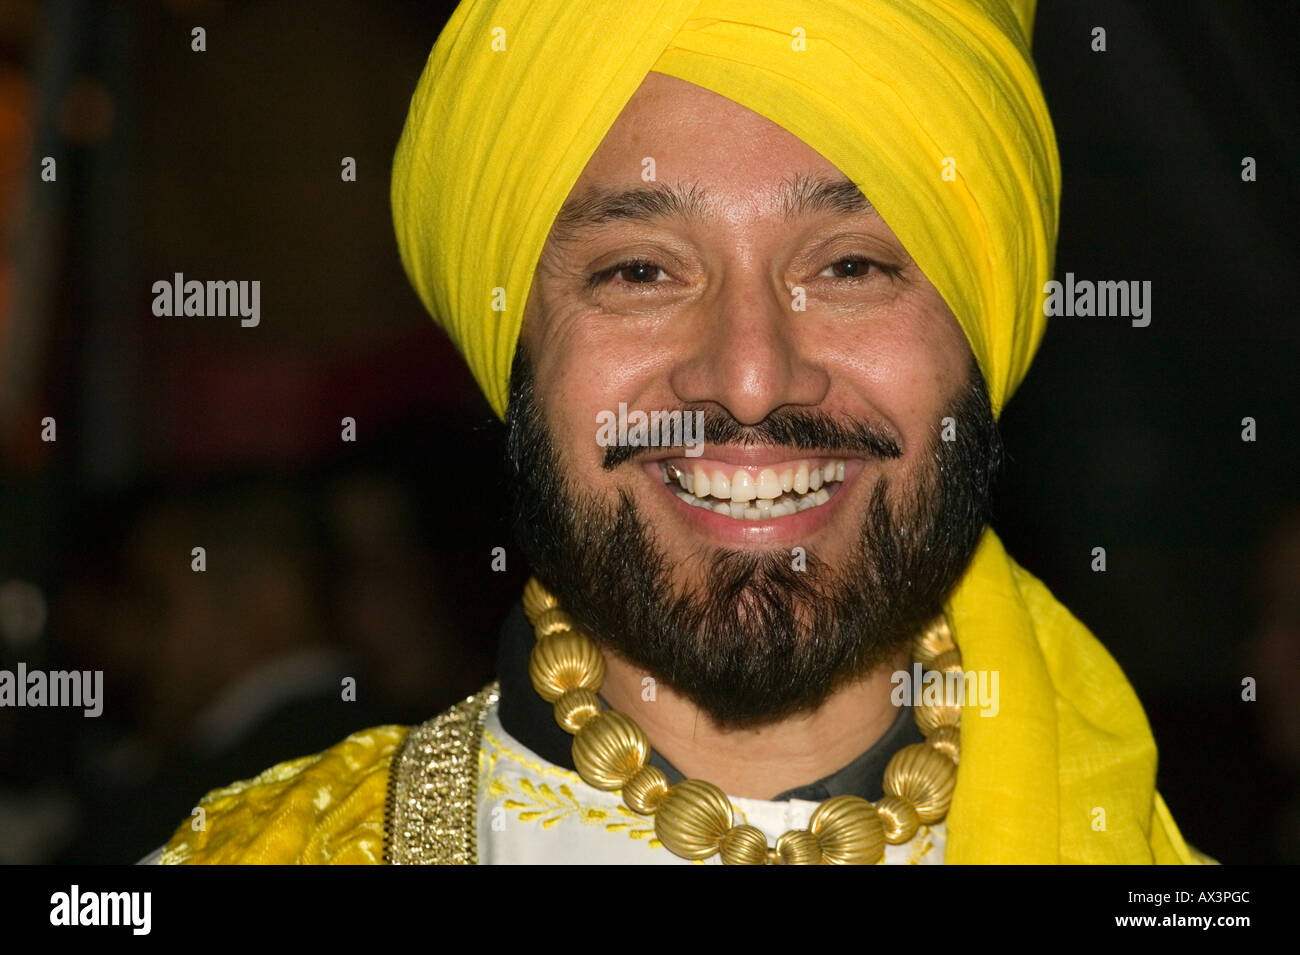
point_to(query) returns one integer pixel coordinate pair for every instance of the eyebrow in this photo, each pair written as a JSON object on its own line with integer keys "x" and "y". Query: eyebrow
{"x": 803, "y": 195}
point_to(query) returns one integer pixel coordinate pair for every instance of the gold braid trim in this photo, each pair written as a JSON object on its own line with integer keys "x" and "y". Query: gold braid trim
{"x": 430, "y": 817}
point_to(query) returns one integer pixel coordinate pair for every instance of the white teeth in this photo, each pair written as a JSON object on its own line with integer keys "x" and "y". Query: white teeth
{"x": 801, "y": 478}
{"x": 701, "y": 482}
{"x": 742, "y": 487}
{"x": 742, "y": 496}
{"x": 720, "y": 485}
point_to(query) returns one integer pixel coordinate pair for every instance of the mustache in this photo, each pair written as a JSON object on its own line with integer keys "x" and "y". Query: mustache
{"x": 797, "y": 429}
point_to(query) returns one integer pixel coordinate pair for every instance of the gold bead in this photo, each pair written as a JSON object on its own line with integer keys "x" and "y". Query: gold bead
{"x": 692, "y": 819}
{"x": 552, "y": 621}
{"x": 536, "y": 599}
{"x": 930, "y": 717}
{"x": 849, "y": 831}
{"x": 610, "y": 750}
{"x": 924, "y": 777}
{"x": 744, "y": 845}
{"x": 798, "y": 847}
{"x": 576, "y": 708}
{"x": 565, "y": 661}
{"x": 644, "y": 791}
{"x": 898, "y": 819}
{"x": 947, "y": 662}
{"x": 936, "y": 639}
{"x": 947, "y": 740}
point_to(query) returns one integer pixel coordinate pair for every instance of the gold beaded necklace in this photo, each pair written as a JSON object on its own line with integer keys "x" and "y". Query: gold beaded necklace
{"x": 693, "y": 819}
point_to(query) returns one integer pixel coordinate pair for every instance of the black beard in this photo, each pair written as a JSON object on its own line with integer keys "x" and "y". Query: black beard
{"x": 758, "y": 640}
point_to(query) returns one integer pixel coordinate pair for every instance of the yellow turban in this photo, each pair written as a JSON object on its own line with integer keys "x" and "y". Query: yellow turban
{"x": 933, "y": 108}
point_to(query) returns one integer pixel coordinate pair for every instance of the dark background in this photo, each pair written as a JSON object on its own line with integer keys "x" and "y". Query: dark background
{"x": 371, "y": 559}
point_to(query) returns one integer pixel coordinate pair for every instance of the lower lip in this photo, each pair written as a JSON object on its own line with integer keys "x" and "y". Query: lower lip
{"x": 792, "y": 527}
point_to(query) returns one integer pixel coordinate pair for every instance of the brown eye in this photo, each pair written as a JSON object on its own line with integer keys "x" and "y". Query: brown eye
{"x": 633, "y": 273}
{"x": 637, "y": 272}
{"x": 850, "y": 268}
{"x": 857, "y": 267}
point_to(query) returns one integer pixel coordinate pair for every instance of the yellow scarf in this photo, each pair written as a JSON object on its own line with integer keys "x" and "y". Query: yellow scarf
{"x": 933, "y": 108}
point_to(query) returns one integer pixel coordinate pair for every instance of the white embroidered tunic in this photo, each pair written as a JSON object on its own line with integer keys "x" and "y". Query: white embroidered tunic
{"x": 532, "y": 811}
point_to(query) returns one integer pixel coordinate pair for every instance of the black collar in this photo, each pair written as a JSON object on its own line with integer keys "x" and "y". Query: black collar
{"x": 529, "y": 719}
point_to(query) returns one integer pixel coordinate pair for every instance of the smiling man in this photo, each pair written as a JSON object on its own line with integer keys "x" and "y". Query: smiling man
{"x": 822, "y": 228}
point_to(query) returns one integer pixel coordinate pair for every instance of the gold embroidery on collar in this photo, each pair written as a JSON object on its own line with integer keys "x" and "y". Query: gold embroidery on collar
{"x": 540, "y": 769}
{"x": 541, "y": 804}
{"x": 431, "y": 813}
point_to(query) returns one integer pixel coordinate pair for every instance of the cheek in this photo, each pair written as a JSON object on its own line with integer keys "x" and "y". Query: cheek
{"x": 880, "y": 356}
{"x": 904, "y": 363}
{"x": 586, "y": 364}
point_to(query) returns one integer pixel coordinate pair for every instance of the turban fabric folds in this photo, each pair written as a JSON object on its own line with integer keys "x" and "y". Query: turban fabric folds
{"x": 933, "y": 108}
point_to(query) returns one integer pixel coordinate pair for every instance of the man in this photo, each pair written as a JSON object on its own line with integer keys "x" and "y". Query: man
{"x": 750, "y": 284}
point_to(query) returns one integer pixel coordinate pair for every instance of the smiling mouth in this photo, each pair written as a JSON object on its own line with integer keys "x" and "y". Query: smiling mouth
{"x": 756, "y": 494}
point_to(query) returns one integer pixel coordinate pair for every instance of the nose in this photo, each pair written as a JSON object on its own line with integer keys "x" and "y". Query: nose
{"x": 747, "y": 355}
